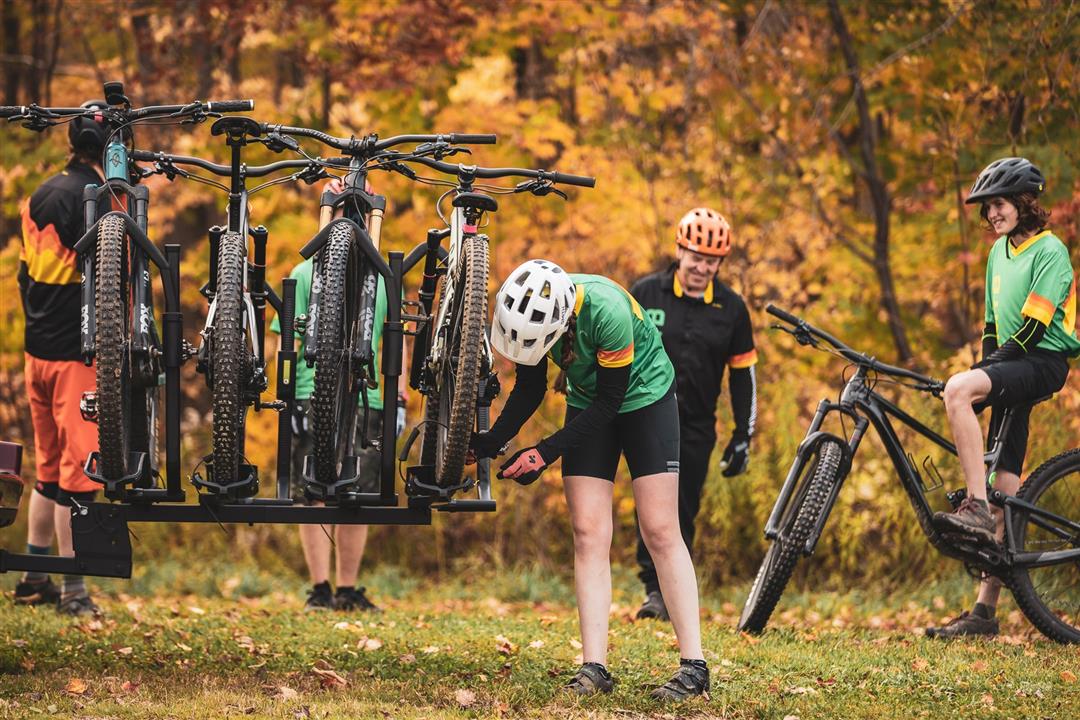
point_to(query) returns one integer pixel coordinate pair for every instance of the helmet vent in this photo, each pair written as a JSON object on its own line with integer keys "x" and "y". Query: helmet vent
{"x": 537, "y": 316}
{"x": 520, "y": 280}
{"x": 524, "y": 301}
{"x": 528, "y": 343}
{"x": 550, "y": 338}
{"x": 545, "y": 292}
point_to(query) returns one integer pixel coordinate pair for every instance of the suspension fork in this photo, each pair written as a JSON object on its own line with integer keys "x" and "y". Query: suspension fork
{"x": 811, "y": 442}
{"x": 87, "y": 289}
{"x": 424, "y": 338}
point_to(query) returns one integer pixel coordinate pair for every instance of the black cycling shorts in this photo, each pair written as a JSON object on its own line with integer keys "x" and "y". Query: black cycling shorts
{"x": 1017, "y": 384}
{"x": 649, "y": 437}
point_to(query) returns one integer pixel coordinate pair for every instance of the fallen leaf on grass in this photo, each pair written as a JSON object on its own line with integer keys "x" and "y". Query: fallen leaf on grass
{"x": 370, "y": 644}
{"x": 125, "y": 650}
{"x": 431, "y": 649}
{"x": 978, "y": 665}
{"x": 1068, "y": 676}
{"x": 920, "y": 664}
{"x": 76, "y": 686}
{"x": 465, "y": 698}
{"x": 129, "y": 686}
{"x": 575, "y": 643}
{"x": 183, "y": 647}
{"x": 536, "y": 644}
{"x": 504, "y": 646}
{"x": 791, "y": 717}
{"x": 407, "y": 659}
{"x": 329, "y": 678}
{"x": 750, "y": 638}
{"x": 196, "y": 610}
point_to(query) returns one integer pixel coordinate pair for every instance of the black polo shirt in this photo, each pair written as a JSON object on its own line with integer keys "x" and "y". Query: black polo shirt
{"x": 702, "y": 336}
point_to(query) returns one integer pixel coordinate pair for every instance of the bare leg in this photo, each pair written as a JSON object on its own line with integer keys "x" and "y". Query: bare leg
{"x": 589, "y": 499}
{"x": 961, "y": 392}
{"x": 350, "y": 541}
{"x": 990, "y": 589}
{"x": 41, "y": 523}
{"x": 656, "y": 498}
{"x": 316, "y": 543}
{"x": 62, "y": 520}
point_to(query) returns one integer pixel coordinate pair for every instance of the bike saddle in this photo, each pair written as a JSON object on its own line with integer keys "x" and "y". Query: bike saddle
{"x": 478, "y": 201}
{"x": 236, "y": 126}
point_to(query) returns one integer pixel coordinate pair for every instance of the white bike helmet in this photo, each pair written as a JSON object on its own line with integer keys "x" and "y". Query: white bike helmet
{"x": 532, "y": 310}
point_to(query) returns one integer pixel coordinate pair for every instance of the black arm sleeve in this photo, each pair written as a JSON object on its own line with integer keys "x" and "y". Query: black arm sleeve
{"x": 611, "y": 385}
{"x": 989, "y": 340}
{"x": 1022, "y": 342}
{"x": 743, "y": 400}
{"x": 529, "y": 388}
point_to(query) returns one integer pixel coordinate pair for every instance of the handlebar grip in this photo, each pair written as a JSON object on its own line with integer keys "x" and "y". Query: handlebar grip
{"x": 224, "y": 106}
{"x": 782, "y": 314}
{"x": 7, "y": 111}
{"x": 579, "y": 180}
{"x": 466, "y": 139}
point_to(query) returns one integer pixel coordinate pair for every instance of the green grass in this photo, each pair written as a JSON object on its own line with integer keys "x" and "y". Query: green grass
{"x": 234, "y": 642}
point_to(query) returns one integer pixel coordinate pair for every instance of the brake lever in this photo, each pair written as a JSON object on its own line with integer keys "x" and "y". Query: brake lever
{"x": 450, "y": 151}
{"x": 540, "y": 188}
{"x": 277, "y": 142}
{"x": 312, "y": 175}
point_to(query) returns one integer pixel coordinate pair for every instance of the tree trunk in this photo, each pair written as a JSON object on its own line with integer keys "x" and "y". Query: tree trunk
{"x": 12, "y": 61}
{"x": 881, "y": 202}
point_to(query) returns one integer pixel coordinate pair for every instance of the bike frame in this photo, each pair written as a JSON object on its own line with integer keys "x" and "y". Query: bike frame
{"x": 866, "y": 407}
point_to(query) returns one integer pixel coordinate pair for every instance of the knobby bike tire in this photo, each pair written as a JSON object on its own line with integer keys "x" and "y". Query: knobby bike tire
{"x": 334, "y": 399}
{"x": 227, "y": 359}
{"x": 112, "y": 343}
{"x": 454, "y": 407}
{"x": 803, "y": 511}
{"x": 1031, "y": 596}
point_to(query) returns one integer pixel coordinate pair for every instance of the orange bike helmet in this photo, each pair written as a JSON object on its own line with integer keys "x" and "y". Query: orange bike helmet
{"x": 704, "y": 231}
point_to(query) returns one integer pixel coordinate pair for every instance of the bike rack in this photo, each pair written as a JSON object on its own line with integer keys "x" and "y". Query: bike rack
{"x": 102, "y": 545}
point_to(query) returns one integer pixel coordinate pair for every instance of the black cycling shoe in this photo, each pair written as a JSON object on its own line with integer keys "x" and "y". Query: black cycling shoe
{"x": 36, "y": 593}
{"x": 78, "y": 607}
{"x": 653, "y": 607}
{"x": 590, "y": 679}
{"x": 690, "y": 681}
{"x": 966, "y": 625}
{"x": 347, "y": 598}
{"x": 319, "y": 598}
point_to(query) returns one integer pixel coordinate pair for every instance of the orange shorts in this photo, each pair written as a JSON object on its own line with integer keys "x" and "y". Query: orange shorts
{"x": 62, "y": 439}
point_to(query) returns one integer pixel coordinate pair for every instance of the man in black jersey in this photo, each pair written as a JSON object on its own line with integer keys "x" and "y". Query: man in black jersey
{"x": 55, "y": 375}
{"x": 705, "y": 328}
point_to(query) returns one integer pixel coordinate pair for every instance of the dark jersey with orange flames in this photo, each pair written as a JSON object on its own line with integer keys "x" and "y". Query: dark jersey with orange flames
{"x": 49, "y": 274}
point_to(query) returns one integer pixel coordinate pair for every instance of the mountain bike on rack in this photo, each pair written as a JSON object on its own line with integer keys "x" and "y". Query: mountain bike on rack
{"x": 341, "y": 309}
{"x": 452, "y": 360}
{"x": 231, "y": 353}
{"x": 1039, "y": 557}
{"x": 119, "y": 331}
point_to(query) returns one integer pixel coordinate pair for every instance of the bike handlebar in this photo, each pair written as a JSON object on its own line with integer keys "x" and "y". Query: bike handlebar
{"x": 222, "y": 170}
{"x": 851, "y": 354}
{"x": 199, "y": 106}
{"x": 482, "y": 172}
{"x": 368, "y": 145}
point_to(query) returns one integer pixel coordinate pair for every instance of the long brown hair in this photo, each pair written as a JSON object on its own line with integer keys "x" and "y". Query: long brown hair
{"x": 1030, "y": 216}
{"x": 568, "y": 355}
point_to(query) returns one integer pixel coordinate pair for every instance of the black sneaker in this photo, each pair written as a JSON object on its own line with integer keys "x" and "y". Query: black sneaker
{"x": 972, "y": 520}
{"x": 590, "y": 679}
{"x": 319, "y": 598}
{"x": 36, "y": 593}
{"x": 78, "y": 607}
{"x": 966, "y": 625}
{"x": 347, "y": 598}
{"x": 691, "y": 680}
{"x": 653, "y": 607}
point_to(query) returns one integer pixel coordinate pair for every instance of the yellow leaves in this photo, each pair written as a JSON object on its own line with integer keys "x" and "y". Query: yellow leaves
{"x": 488, "y": 82}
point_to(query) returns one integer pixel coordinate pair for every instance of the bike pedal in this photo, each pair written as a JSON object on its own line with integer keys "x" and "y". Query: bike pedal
{"x": 955, "y": 497}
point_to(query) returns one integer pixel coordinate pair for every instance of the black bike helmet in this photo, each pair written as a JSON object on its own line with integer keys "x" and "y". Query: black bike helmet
{"x": 1004, "y": 177}
{"x": 92, "y": 133}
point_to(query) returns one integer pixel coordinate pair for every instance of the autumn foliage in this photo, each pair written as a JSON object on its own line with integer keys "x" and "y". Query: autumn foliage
{"x": 838, "y": 138}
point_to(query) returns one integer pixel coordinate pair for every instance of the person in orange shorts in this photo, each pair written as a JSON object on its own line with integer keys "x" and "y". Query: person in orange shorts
{"x": 55, "y": 375}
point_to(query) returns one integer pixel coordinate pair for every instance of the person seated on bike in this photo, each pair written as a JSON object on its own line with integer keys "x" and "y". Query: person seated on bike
{"x": 1030, "y": 335}
{"x": 620, "y": 399}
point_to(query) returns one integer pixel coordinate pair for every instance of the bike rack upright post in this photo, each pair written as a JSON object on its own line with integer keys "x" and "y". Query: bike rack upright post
{"x": 393, "y": 349}
{"x": 173, "y": 334}
{"x": 286, "y": 385}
